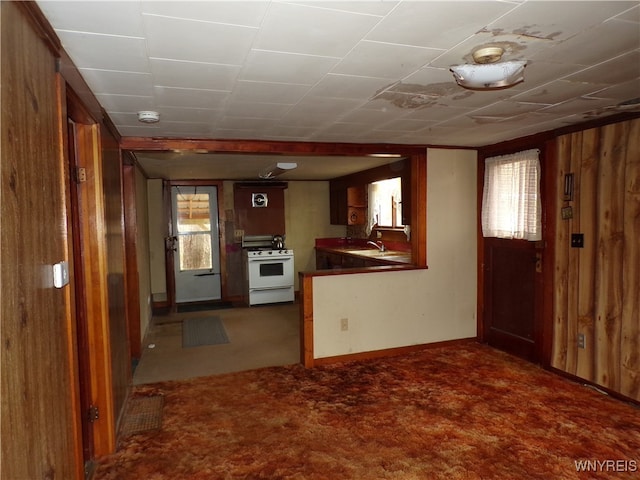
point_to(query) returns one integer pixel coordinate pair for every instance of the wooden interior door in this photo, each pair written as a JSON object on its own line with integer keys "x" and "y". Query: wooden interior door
{"x": 512, "y": 297}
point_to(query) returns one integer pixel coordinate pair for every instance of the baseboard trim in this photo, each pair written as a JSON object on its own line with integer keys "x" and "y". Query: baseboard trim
{"x": 595, "y": 386}
{"x": 390, "y": 352}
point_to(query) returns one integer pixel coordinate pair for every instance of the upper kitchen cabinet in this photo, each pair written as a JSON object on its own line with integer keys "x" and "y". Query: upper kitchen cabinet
{"x": 349, "y": 199}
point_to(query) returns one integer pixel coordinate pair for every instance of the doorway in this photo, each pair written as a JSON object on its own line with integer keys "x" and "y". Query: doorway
{"x": 195, "y": 243}
{"x": 512, "y": 254}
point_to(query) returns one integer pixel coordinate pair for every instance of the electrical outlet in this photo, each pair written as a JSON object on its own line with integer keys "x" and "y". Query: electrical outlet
{"x": 581, "y": 340}
{"x": 344, "y": 324}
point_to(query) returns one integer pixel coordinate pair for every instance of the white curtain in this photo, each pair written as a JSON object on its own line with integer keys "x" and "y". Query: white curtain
{"x": 511, "y": 204}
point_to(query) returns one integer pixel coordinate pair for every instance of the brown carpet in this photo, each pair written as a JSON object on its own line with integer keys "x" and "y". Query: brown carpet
{"x": 463, "y": 412}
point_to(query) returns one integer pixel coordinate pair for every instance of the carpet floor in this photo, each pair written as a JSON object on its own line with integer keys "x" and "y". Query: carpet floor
{"x": 463, "y": 412}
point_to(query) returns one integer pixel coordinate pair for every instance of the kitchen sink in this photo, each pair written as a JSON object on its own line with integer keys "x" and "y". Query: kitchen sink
{"x": 377, "y": 254}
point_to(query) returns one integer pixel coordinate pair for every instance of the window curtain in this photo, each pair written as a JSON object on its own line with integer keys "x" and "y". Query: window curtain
{"x": 374, "y": 207}
{"x": 511, "y": 204}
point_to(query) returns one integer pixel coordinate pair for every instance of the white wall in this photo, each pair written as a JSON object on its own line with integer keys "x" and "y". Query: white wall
{"x": 307, "y": 218}
{"x": 396, "y": 309}
{"x": 157, "y": 232}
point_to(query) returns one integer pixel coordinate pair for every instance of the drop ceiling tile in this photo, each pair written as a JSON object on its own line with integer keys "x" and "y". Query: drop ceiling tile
{"x": 384, "y": 60}
{"x": 113, "y": 18}
{"x": 265, "y": 92}
{"x": 437, "y": 24}
{"x": 208, "y": 76}
{"x": 631, "y": 15}
{"x": 556, "y": 21}
{"x": 619, "y": 70}
{"x": 357, "y": 6}
{"x": 557, "y": 92}
{"x": 325, "y": 106}
{"x": 509, "y": 109}
{"x": 189, "y": 98}
{"x": 344, "y": 129}
{"x": 437, "y": 113}
{"x": 310, "y": 30}
{"x": 256, "y": 110}
{"x": 197, "y": 41}
{"x": 126, "y": 103}
{"x": 187, "y": 129}
{"x": 248, "y": 13}
{"x": 196, "y": 115}
{"x": 289, "y": 131}
{"x": 369, "y": 114}
{"x": 121, "y": 83}
{"x": 541, "y": 72}
{"x": 348, "y": 86}
{"x": 278, "y": 67}
{"x": 621, "y": 92}
{"x": 587, "y": 47}
{"x": 127, "y": 54}
{"x": 405, "y": 125}
{"x": 244, "y": 123}
{"x": 577, "y": 106}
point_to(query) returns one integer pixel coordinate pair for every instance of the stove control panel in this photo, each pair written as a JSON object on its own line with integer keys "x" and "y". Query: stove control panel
{"x": 266, "y": 253}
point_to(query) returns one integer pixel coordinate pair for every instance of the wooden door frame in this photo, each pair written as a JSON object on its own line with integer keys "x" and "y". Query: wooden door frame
{"x": 543, "y": 328}
{"x": 169, "y": 258}
{"x": 92, "y": 292}
{"x": 131, "y": 254}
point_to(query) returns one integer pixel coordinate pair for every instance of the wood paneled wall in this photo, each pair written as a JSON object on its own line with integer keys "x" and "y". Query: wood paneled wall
{"x": 114, "y": 232}
{"x": 40, "y": 427}
{"x": 597, "y": 287}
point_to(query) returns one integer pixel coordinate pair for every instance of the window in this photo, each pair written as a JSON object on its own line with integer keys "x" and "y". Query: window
{"x": 385, "y": 199}
{"x": 511, "y": 205}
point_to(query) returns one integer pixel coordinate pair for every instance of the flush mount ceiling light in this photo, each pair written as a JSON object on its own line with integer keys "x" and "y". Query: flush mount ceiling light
{"x": 278, "y": 169}
{"x": 148, "y": 116}
{"x": 488, "y": 72}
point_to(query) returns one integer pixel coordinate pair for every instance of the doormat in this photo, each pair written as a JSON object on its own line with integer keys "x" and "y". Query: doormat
{"x": 143, "y": 414}
{"x": 203, "y": 331}
{"x": 202, "y": 307}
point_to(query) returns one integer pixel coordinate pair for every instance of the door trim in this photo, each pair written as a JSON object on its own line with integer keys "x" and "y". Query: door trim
{"x": 90, "y": 255}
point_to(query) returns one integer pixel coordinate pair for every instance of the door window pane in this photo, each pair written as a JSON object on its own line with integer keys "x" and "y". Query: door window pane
{"x": 193, "y": 212}
{"x": 511, "y": 204}
{"x": 195, "y": 251}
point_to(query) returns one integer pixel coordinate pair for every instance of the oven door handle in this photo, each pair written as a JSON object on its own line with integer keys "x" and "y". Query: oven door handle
{"x": 269, "y": 259}
{"x": 281, "y": 287}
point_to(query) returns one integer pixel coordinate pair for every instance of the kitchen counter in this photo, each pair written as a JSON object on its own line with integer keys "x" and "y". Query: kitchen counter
{"x": 355, "y": 253}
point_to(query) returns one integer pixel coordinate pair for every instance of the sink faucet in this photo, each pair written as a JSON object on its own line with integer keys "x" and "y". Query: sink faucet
{"x": 380, "y": 246}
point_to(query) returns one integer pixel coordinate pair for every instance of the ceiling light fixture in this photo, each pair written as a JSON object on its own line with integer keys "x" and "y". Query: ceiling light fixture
{"x": 488, "y": 72}
{"x": 384, "y": 155}
{"x": 278, "y": 169}
{"x": 148, "y": 116}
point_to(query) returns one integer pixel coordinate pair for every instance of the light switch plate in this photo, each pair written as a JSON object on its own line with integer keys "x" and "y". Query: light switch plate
{"x": 61, "y": 274}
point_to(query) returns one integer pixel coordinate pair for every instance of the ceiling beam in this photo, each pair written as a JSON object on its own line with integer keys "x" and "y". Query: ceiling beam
{"x": 266, "y": 147}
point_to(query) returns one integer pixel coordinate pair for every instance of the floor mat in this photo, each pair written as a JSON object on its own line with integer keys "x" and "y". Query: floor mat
{"x": 203, "y": 331}
{"x": 142, "y": 414}
{"x": 201, "y": 307}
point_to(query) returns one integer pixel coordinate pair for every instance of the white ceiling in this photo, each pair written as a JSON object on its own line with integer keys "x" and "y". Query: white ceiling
{"x": 350, "y": 71}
